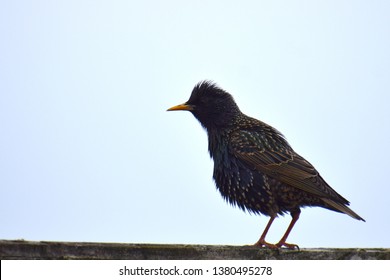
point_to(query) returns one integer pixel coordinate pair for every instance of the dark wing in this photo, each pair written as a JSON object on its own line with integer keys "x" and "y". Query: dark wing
{"x": 268, "y": 152}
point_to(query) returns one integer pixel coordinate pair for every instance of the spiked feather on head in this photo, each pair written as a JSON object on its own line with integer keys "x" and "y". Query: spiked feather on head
{"x": 211, "y": 105}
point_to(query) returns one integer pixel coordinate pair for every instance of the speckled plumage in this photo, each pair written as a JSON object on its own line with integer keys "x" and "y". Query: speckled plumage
{"x": 254, "y": 166}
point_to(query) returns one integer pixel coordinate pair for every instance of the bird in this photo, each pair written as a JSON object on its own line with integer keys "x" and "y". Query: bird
{"x": 255, "y": 168}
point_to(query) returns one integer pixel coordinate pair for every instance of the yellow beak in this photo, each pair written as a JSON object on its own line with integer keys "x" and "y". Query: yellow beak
{"x": 181, "y": 107}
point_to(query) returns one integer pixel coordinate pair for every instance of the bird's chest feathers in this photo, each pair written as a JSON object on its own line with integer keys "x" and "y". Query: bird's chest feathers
{"x": 229, "y": 173}
{"x": 234, "y": 180}
{"x": 219, "y": 149}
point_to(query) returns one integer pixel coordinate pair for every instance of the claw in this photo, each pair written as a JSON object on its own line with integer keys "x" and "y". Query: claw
{"x": 264, "y": 244}
{"x": 287, "y": 245}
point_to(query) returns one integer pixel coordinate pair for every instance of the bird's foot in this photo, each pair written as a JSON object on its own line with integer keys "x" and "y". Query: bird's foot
{"x": 264, "y": 244}
{"x": 290, "y": 246}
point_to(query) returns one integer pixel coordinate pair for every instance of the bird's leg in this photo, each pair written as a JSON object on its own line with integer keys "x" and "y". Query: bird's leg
{"x": 282, "y": 242}
{"x": 261, "y": 242}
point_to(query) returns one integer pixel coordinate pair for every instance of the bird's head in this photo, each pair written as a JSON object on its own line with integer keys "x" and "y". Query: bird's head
{"x": 211, "y": 105}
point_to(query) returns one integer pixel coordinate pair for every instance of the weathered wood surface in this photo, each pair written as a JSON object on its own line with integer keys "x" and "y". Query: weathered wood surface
{"x": 32, "y": 250}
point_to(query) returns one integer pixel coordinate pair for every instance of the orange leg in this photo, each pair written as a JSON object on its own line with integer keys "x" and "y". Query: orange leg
{"x": 282, "y": 242}
{"x": 261, "y": 242}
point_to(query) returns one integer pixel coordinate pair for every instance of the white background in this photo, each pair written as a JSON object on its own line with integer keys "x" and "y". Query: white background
{"x": 88, "y": 152}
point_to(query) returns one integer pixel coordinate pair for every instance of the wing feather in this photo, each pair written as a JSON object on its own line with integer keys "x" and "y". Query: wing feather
{"x": 273, "y": 156}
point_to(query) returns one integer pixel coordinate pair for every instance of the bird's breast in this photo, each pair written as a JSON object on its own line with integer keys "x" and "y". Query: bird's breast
{"x": 242, "y": 186}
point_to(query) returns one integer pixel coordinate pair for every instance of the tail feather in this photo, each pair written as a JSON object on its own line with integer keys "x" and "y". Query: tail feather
{"x": 342, "y": 208}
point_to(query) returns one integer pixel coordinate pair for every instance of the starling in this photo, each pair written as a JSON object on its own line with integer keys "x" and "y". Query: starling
{"x": 254, "y": 166}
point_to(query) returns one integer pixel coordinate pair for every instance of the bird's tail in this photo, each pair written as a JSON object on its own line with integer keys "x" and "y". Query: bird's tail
{"x": 342, "y": 208}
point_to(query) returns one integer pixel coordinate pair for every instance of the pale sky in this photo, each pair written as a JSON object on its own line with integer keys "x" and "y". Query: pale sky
{"x": 89, "y": 153}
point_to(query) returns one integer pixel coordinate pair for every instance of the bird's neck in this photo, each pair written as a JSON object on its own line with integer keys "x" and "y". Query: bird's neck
{"x": 214, "y": 121}
{"x": 218, "y": 142}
